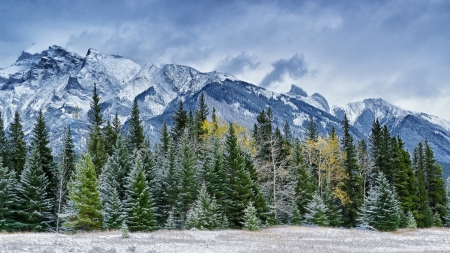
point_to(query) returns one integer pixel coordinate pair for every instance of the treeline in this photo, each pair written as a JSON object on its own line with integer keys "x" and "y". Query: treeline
{"x": 207, "y": 174}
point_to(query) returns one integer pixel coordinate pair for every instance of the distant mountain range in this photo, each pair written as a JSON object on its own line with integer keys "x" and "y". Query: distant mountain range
{"x": 60, "y": 83}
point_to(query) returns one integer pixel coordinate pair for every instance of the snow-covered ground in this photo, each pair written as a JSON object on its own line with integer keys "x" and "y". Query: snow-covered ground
{"x": 275, "y": 239}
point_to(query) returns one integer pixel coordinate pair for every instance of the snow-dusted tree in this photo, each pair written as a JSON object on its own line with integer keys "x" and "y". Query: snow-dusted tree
{"x": 437, "y": 222}
{"x": 204, "y": 214}
{"x": 380, "y": 210}
{"x": 316, "y": 211}
{"x": 16, "y": 145}
{"x": 135, "y": 136}
{"x": 187, "y": 167}
{"x": 412, "y": 224}
{"x": 4, "y": 150}
{"x": 84, "y": 196}
{"x": 170, "y": 222}
{"x": 64, "y": 171}
{"x": 251, "y": 221}
{"x": 334, "y": 211}
{"x": 33, "y": 205}
{"x": 296, "y": 219}
{"x": 139, "y": 204}
{"x": 113, "y": 211}
{"x": 8, "y": 182}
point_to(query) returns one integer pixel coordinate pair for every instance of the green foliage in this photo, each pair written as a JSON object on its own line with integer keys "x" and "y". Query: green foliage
{"x": 411, "y": 221}
{"x": 94, "y": 114}
{"x": 125, "y": 231}
{"x": 34, "y": 205}
{"x": 316, "y": 213}
{"x": 201, "y": 115}
{"x": 135, "y": 136}
{"x": 139, "y": 203}
{"x": 250, "y": 219}
{"x": 296, "y": 218}
{"x": 16, "y": 144}
{"x": 311, "y": 130}
{"x": 8, "y": 183}
{"x": 4, "y": 149}
{"x": 204, "y": 214}
{"x": 85, "y": 195}
{"x": 353, "y": 182}
{"x": 179, "y": 122}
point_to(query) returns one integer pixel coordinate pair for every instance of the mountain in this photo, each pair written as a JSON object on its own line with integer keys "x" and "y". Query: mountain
{"x": 60, "y": 83}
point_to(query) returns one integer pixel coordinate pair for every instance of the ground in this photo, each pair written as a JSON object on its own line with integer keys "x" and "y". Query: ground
{"x": 275, "y": 239}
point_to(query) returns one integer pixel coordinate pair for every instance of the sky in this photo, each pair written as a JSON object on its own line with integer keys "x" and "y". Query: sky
{"x": 398, "y": 50}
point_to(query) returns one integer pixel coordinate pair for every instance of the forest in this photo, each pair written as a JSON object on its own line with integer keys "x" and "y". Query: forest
{"x": 205, "y": 173}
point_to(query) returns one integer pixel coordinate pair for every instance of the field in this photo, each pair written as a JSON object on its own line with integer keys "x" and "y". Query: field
{"x": 275, "y": 239}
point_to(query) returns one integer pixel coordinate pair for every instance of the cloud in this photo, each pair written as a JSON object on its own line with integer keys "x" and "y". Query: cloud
{"x": 295, "y": 67}
{"x": 238, "y": 64}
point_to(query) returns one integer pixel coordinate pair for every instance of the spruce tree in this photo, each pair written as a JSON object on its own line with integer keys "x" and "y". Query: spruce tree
{"x": 296, "y": 218}
{"x": 381, "y": 208}
{"x": 334, "y": 211}
{"x": 180, "y": 119}
{"x": 33, "y": 204}
{"x": 17, "y": 146}
{"x": 116, "y": 124}
{"x": 250, "y": 219}
{"x": 412, "y": 224}
{"x": 139, "y": 204}
{"x": 110, "y": 137}
{"x": 311, "y": 130}
{"x": 135, "y": 136}
{"x": 316, "y": 213}
{"x": 187, "y": 167}
{"x": 84, "y": 195}
{"x": 423, "y": 215}
{"x": 201, "y": 115}
{"x": 434, "y": 183}
{"x": 8, "y": 183}
{"x": 376, "y": 152}
{"x": 96, "y": 140}
{"x": 4, "y": 149}
{"x": 113, "y": 210}
{"x": 353, "y": 182}
{"x": 204, "y": 214}
{"x": 238, "y": 179}
{"x": 40, "y": 139}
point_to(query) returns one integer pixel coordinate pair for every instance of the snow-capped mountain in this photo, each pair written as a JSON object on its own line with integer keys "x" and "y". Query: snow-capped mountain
{"x": 60, "y": 83}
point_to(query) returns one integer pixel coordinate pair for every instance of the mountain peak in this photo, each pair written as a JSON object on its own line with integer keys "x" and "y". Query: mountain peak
{"x": 297, "y": 91}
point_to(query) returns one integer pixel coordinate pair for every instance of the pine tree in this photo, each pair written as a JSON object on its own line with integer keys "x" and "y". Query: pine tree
{"x": 204, "y": 214}
{"x": 179, "y": 122}
{"x": 110, "y": 137}
{"x": 113, "y": 211}
{"x": 250, "y": 220}
{"x": 296, "y": 218}
{"x": 311, "y": 130}
{"x": 40, "y": 139}
{"x": 381, "y": 209}
{"x": 434, "y": 183}
{"x": 334, "y": 211}
{"x": 34, "y": 205}
{"x": 139, "y": 205}
{"x": 316, "y": 213}
{"x": 96, "y": 140}
{"x": 85, "y": 197}
{"x": 238, "y": 179}
{"x": 170, "y": 222}
{"x": 135, "y": 136}
{"x": 8, "y": 182}
{"x": 437, "y": 222}
{"x": 375, "y": 143}
{"x": 423, "y": 215}
{"x": 17, "y": 145}
{"x": 304, "y": 185}
{"x": 65, "y": 170}
{"x": 353, "y": 182}
{"x": 411, "y": 221}
{"x": 187, "y": 188}
{"x": 4, "y": 149}
{"x": 117, "y": 125}
{"x": 201, "y": 115}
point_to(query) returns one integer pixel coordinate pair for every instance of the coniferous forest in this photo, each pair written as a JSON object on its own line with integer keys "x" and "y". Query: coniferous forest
{"x": 208, "y": 174}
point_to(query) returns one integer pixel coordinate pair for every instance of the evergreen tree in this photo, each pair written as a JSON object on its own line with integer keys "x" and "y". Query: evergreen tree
{"x": 205, "y": 213}
{"x": 65, "y": 170}
{"x": 139, "y": 204}
{"x": 4, "y": 149}
{"x": 251, "y": 221}
{"x": 304, "y": 185}
{"x": 180, "y": 119}
{"x": 201, "y": 114}
{"x": 238, "y": 179}
{"x": 437, "y": 222}
{"x": 113, "y": 211}
{"x": 110, "y": 138}
{"x": 423, "y": 215}
{"x": 116, "y": 124}
{"x": 380, "y": 209}
{"x": 84, "y": 195}
{"x": 333, "y": 211}
{"x": 353, "y": 182}
{"x": 411, "y": 221}
{"x": 170, "y": 222}
{"x": 316, "y": 211}
{"x": 34, "y": 205}
{"x": 376, "y": 152}
{"x": 365, "y": 165}
{"x": 17, "y": 145}
{"x": 187, "y": 188}
{"x": 40, "y": 140}
{"x": 8, "y": 182}
{"x": 296, "y": 218}
{"x": 96, "y": 140}
{"x": 135, "y": 137}
{"x": 434, "y": 183}
{"x": 311, "y": 130}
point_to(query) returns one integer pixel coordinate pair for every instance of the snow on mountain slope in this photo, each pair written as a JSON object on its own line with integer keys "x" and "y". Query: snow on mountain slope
{"x": 315, "y": 100}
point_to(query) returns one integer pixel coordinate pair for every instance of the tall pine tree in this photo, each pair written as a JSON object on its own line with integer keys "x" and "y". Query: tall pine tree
{"x": 17, "y": 146}
{"x": 135, "y": 136}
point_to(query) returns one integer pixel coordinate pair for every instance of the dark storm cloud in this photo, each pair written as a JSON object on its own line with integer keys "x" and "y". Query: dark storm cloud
{"x": 294, "y": 67}
{"x": 238, "y": 64}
